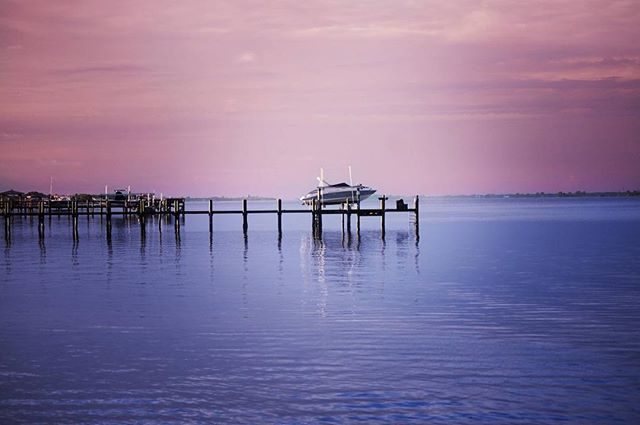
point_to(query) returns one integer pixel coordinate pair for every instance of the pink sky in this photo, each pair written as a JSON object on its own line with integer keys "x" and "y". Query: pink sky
{"x": 213, "y": 98}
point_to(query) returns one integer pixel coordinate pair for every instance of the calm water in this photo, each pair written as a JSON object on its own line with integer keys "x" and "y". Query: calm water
{"x": 504, "y": 311}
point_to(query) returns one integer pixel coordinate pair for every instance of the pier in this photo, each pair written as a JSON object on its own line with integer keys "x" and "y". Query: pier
{"x": 16, "y": 205}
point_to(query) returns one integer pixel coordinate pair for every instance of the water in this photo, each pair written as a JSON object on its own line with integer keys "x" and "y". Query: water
{"x": 504, "y": 311}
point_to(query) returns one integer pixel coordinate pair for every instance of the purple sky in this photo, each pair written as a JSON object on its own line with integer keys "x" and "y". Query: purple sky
{"x": 240, "y": 97}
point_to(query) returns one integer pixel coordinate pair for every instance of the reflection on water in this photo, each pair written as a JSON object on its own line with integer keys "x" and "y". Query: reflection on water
{"x": 519, "y": 317}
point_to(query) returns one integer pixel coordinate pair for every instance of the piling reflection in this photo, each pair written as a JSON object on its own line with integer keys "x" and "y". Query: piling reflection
{"x": 43, "y": 250}
{"x": 74, "y": 252}
{"x": 335, "y": 259}
{"x": 143, "y": 238}
{"x": 7, "y": 230}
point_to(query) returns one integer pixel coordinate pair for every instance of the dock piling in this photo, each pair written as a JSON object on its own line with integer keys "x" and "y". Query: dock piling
{"x": 348, "y": 219}
{"x": 416, "y": 207}
{"x": 245, "y": 221}
{"x": 41, "y": 218}
{"x": 358, "y": 216}
{"x": 383, "y": 200}
{"x": 210, "y": 216}
{"x": 279, "y": 212}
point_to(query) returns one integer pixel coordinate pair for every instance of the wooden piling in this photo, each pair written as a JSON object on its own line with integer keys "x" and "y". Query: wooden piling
{"x": 383, "y": 200}
{"x": 313, "y": 217}
{"x": 319, "y": 213}
{"x": 41, "y": 218}
{"x": 358, "y": 216}
{"x": 416, "y": 207}
{"x": 245, "y": 221}
{"x": 74, "y": 219}
{"x": 210, "y": 217}
{"x": 279, "y": 212}
{"x": 349, "y": 219}
{"x": 108, "y": 208}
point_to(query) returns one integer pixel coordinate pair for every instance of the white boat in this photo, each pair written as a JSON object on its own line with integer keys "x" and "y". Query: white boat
{"x": 335, "y": 194}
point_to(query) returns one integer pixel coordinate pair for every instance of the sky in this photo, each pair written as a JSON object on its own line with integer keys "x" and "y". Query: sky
{"x": 253, "y": 97}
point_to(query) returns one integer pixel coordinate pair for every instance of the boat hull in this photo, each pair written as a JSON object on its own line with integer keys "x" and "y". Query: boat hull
{"x": 330, "y": 197}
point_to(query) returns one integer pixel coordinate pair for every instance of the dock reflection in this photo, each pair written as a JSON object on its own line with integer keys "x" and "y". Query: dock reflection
{"x": 353, "y": 260}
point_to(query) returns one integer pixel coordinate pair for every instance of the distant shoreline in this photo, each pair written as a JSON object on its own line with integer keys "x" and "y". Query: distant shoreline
{"x": 576, "y": 194}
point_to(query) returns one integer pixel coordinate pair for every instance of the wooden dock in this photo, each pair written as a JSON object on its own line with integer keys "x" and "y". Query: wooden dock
{"x": 175, "y": 207}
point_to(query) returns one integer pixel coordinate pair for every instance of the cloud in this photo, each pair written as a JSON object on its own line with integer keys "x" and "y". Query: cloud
{"x": 246, "y": 57}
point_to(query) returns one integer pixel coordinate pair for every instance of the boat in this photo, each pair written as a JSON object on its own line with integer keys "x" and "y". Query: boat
{"x": 120, "y": 195}
{"x": 336, "y": 194}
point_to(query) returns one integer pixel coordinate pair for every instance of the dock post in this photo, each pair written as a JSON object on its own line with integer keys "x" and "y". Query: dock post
{"x": 279, "y": 208}
{"x": 416, "y": 207}
{"x": 176, "y": 209}
{"x": 348, "y": 219}
{"x": 319, "y": 213}
{"x": 313, "y": 217}
{"x": 41, "y": 218}
{"x": 74, "y": 219}
{"x": 383, "y": 200}
{"x": 143, "y": 220}
{"x": 358, "y": 216}
{"x": 210, "y": 216}
{"x": 108, "y": 207}
{"x": 245, "y": 221}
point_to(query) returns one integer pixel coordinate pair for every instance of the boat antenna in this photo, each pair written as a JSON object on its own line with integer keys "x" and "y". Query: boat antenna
{"x": 351, "y": 183}
{"x": 322, "y": 184}
{"x": 321, "y": 179}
